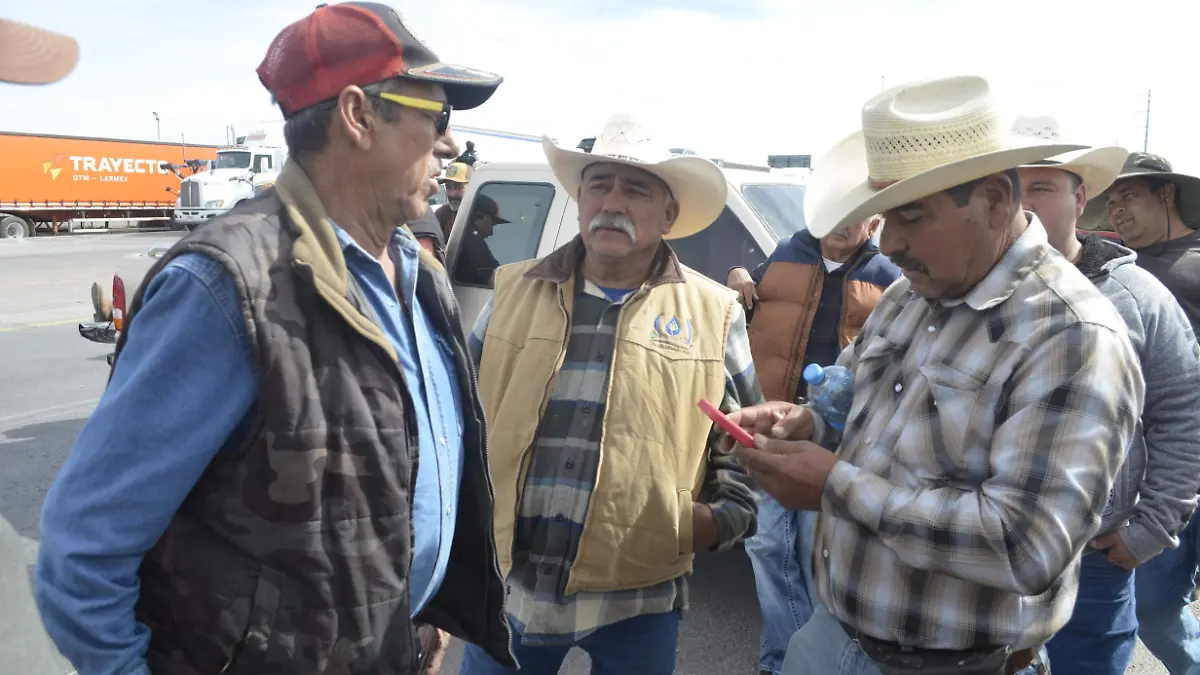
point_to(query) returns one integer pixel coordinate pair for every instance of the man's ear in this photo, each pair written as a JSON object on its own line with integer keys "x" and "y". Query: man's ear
{"x": 671, "y": 216}
{"x": 1081, "y": 199}
{"x": 999, "y": 189}
{"x": 1168, "y": 194}
{"x": 873, "y": 226}
{"x": 356, "y": 116}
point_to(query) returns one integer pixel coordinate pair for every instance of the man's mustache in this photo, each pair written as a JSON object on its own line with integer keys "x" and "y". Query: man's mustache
{"x": 614, "y": 221}
{"x": 906, "y": 263}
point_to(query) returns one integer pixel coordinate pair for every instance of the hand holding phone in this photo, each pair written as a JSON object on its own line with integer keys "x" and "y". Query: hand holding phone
{"x": 722, "y": 420}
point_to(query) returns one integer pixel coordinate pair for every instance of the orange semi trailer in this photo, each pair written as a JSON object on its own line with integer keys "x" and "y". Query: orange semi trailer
{"x": 48, "y": 181}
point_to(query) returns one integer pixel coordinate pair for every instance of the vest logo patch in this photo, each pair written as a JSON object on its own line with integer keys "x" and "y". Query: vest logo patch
{"x": 670, "y": 330}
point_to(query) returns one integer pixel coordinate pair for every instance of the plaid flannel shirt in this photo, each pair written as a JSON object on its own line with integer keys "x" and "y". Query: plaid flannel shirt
{"x": 983, "y": 439}
{"x": 563, "y": 472}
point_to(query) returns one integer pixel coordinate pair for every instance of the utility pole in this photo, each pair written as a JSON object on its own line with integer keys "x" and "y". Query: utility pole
{"x": 157, "y": 126}
{"x": 1146, "y": 137}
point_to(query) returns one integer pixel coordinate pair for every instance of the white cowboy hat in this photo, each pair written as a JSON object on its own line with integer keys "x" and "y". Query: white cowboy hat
{"x": 696, "y": 183}
{"x": 916, "y": 140}
{"x": 1096, "y": 167}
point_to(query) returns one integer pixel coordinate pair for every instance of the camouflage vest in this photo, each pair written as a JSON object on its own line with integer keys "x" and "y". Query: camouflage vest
{"x": 292, "y": 555}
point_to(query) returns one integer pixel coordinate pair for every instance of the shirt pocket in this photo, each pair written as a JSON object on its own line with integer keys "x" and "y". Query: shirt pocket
{"x": 955, "y": 425}
{"x": 875, "y": 357}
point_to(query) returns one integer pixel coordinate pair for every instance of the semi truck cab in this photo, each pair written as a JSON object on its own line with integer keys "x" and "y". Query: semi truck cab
{"x": 239, "y": 173}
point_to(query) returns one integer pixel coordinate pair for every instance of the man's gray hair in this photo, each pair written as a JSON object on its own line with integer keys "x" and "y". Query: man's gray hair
{"x": 307, "y": 131}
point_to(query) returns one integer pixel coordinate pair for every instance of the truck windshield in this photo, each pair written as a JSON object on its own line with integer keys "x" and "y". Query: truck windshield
{"x": 233, "y": 160}
{"x": 781, "y": 206}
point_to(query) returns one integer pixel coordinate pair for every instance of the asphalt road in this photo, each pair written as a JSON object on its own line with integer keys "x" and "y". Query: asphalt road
{"x": 51, "y": 379}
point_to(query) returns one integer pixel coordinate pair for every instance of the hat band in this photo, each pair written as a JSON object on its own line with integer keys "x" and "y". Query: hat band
{"x": 878, "y": 184}
{"x": 627, "y": 158}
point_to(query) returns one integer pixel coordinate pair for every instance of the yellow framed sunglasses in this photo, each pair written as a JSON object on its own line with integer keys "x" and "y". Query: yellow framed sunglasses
{"x": 441, "y": 108}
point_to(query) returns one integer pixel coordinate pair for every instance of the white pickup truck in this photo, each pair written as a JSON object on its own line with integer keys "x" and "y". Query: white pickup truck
{"x": 763, "y": 207}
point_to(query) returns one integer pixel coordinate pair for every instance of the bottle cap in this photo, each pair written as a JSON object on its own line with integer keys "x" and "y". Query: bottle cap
{"x": 814, "y": 374}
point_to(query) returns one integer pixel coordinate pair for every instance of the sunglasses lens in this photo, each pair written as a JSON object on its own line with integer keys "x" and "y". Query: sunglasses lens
{"x": 443, "y": 123}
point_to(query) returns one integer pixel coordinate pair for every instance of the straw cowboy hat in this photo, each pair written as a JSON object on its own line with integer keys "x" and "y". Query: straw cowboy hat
{"x": 696, "y": 183}
{"x": 31, "y": 55}
{"x": 916, "y": 140}
{"x": 1096, "y": 167}
{"x": 1147, "y": 165}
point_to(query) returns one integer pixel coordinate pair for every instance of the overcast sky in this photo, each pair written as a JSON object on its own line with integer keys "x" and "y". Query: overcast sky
{"x": 732, "y": 78}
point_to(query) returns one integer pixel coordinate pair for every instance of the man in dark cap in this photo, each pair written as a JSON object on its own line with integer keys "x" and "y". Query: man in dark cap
{"x": 1156, "y": 210}
{"x": 302, "y": 482}
{"x": 476, "y": 262}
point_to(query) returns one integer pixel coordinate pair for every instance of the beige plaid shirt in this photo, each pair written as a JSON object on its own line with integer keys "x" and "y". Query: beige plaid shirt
{"x": 983, "y": 439}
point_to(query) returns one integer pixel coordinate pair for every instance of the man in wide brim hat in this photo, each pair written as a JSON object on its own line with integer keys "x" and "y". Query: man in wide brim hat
{"x": 697, "y": 185}
{"x": 995, "y": 391}
{"x": 902, "y": 154}
{"x": 596, "y": 355}
{"x": 1157, "y": 171}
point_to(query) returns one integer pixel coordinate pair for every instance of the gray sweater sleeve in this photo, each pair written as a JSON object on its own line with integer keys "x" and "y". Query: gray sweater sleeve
{"x": 1171, "y": 424}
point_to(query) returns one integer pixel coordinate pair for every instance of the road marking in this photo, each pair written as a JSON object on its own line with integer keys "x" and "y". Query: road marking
{"x": 62, "y": 407}
{"x": 42, "y": 324}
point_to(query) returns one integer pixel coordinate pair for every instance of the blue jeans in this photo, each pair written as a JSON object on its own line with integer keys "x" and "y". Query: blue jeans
{"x": 645, "y": 645}
{"x": 1102, "y": 633}
{"x": 781, "y": 554}
{"x": 1164, "y": 591}
{"x": 822, "y": 647}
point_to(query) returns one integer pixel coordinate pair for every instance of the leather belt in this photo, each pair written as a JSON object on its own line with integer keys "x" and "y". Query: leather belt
{"x": 894, "y": 658}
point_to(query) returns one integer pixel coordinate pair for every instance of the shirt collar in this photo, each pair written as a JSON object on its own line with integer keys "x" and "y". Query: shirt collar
{"x": 347, "y": 242}
{"x": 1000, "y": 283}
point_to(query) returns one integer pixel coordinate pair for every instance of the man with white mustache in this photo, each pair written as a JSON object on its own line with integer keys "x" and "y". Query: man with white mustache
{"x": 616, "y": 222}
{"x": 591, "y": 361}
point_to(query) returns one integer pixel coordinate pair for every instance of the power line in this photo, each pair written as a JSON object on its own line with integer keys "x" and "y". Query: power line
{"x": 1146, "y": 136}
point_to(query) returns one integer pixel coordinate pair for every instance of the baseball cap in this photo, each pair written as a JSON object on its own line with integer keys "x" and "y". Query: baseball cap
{"x": 31, "y": 55}
{"x": 458, "y": 172}
{"x": 487, "y": 206}
{"x": 359, "y": 43}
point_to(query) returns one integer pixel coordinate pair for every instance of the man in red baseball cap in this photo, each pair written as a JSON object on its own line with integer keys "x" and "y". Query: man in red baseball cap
{"x": 303, "y": 484}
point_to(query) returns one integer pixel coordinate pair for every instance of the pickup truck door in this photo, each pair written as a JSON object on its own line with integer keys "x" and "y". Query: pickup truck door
{"x": 533, "y": 203}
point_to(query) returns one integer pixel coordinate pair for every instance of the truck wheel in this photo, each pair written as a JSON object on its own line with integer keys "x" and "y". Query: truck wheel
{"x": 12, "y": 227}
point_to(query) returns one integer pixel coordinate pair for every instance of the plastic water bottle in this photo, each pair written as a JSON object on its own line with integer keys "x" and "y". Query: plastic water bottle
{"x": 830, "y": 393}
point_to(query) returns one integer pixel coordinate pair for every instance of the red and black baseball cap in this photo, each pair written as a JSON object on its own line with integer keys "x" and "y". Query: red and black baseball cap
{"x": 359, "y": 43}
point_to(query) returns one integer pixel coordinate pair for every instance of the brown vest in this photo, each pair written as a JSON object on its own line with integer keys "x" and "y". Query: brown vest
{"x": 292, "y": 555}
{"x": 783, "y": 316}
{"x": 638, "y": 529}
